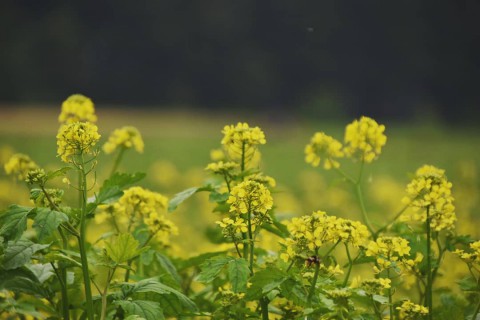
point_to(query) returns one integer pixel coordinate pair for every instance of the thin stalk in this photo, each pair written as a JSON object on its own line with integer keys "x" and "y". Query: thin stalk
{"x": 366, "y": 219}
{"x": 104, "y": 294}
{"x": 236, "y": 248}
{"x": 129, "y": 263}
{"x": 82, "y": 240}
{"x": 314, "y": 282}
{"x": 441, "y": 251}
{"x": 350, "y": 266}
{"x": 291, "y": 265}
{"x": 226, "y": 181}
{"x": 264, "y": 304}
{"x": 390, "y": 300}
{"x": 397, "y": 215}
{"x": 477, "y": 310}
{"x": 63, "y": 274}
{"x": 251, "y": 244}
{"x": 429, "y": 295}
{"x": 118, "y": 159}
{"x": 375, "y": 308}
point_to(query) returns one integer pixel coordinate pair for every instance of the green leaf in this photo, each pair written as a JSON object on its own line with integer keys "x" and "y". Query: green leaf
{"x": 123, "y": 248}
{"x": 184, "y": 195}
{"x": 172, "y": 301}
{"x": 198, "y": 260}
{"x": 21, "y": 280}
{"x": 20, "y": 252}
{"x": 58, "y": 173}
{"x": 13, "y": 221}
{"x": 264, "y": 281}
{"x": 212, "y": 267}
{"x": 112, "y": 188}
{"x": 47, "y": 221}
{"x": 218, "y": 197}
{"x": 148, "y": 310}
{"x": 168, "y": 267}
{"x": 468, "y": 283}
{"x": 380, "y": 299}
{"x": 293, "y": 290}
{"x": 43, "y": 272}
{"x": 238, "y": 272}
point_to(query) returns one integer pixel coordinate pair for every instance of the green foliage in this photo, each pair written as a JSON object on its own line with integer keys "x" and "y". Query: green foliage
{"x": 184, "y": 195}
{"x": 123, "y": 248}
{"x": 147, "y": 310}
{"x": 17, "y": 253}
{"x": 13, "y": 221}
{"x": 112, "y": 187}
{"x": 47, "y": 221}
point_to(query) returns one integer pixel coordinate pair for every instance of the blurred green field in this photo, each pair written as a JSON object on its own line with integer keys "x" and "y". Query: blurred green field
{"x": 178, "y": 144}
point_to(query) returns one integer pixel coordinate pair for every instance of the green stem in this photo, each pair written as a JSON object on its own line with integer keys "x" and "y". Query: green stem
{"x": 477, "y": 310}
{"x": 390, "y": 300}
{"x": 314, "y": 282}
{"x": 429, "y": 295}
{"x": 63, "y": 274}
{"x": 82, "y": 241}
{"x": 350, "y": 265}
{"x": 264, "y": 304}
{"x": 118, "y": 159}
{"x": 359, "y": 194}
{"x": 250, "y": 239}
{"x": 104, "y": 294}
{"x": 129, "y": 262}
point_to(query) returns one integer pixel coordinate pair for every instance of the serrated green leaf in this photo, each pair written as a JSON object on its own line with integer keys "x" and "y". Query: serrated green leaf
{"x": 43, "y": 272}
{"x": 212, "y": 267}
{"x": 264, "y": 281}
{"x": 218, "y": 197}
{"x": 123, "y": 248}
{"x": 198, "y": 260}
{"x": 148, "y": 310}
{"x": 21, "y": 280}
{"x": 13, "y": 221}
{"x": 47, "y": 221}
{"x": 184, "y": 195}
{"x": 172, "y": 301}
{"x": 58, "y": 173}
{"x": 20, "y": 252}
{"x": 293, "y": 290}
{"x": 380, "y": 299}
{"x": 238, "y": 273}
{"x": 168, "y": 267}
{"x": 112, "y": 188}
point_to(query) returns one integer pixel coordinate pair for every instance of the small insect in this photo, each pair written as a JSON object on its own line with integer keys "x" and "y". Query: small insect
{"x": 311, "y": 261}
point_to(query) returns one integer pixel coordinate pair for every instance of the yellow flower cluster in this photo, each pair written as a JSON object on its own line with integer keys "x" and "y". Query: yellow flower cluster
{"x": 308, "y": 233}
{"x": 250, "y": 197}
{"x": 76, "y": 139}
{"x": 392, "y": 253}
{"x": 233, "y": 228}
{"x": 221, "y": 167}
{"x": 430, "y": 190}
{"x": 364, "y": 139}
{"x": 126, "y": 137}
{"x": 263, "y": 179}
{"x": 77, "y": 108}
{"x": 139, "y": 204}
{"x": 409, "y": 310}
{"x": 241, "y": 139}
{"x": 19, "y": 165}
{"x": 323, "y": 146}
{"x": 375, "y": 286}
{"x": 473, "y": 256}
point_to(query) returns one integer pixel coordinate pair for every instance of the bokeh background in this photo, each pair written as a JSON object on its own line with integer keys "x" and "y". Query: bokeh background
{"x": 181, "y": 70}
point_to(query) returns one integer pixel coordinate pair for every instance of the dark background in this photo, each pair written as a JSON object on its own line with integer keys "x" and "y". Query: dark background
{"x": 330, "y": 58}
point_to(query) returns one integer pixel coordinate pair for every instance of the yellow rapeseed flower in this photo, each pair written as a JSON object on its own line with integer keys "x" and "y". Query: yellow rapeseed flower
{"x": 471, "y": 256}
{"x": 250, "y": 197}
{"x": 127, "y": 137}
{"x": 431, "y": 189}
{"x": 364, "y": 139}
{"x": 76, "y": 139}
{"x": 77, "y": 108}
{"x": 221, "y": 167}
{"x": 324, "y": 147}
{"x": 19, "y": 165}
{"x": 391, "y": 253}
{"x": 410, "y": 311}
{"x": 242, "y": 139}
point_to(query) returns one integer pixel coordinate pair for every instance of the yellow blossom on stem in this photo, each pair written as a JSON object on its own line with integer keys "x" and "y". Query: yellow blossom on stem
{"x": 250, "y": 197}
{"x": 364, "y": 139}
{"x": 472, "y": 255}
{"x": 410, "y": 311}
{"x": 221, "y": 167}
{"x": 242, "y": 139}
{"x": 430, "y": 189}
{"x": 324, "y": 147}
{"x": 127, "y": 137}
{"x": 19, "y": 165}
{"x": 75, "y": 139}
{"x": 77, "y": 108}
{"x": 391, "y": 253}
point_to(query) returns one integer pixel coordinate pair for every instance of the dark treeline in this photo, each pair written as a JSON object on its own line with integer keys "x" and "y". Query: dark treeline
{"x": 325, "y": 57}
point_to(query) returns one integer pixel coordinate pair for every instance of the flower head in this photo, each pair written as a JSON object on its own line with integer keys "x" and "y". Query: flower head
{"x": 326, "y": 147}
{"x": 430, "y": 190}
{"x": 364, "y": 139}
{"x": 391, "y": 253}
{"x": 77, "y": 108}
{"x": 472, "y": 255}
{"x": 221, "y": 167}
{"x": 250, "y": 197}
{"x": 409, "y": 310}
{"x": 19, "y": 165}
{"x": 127, "y": 137}
{"x": 76, "y": 139}
{"x": 242, "y": 141}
